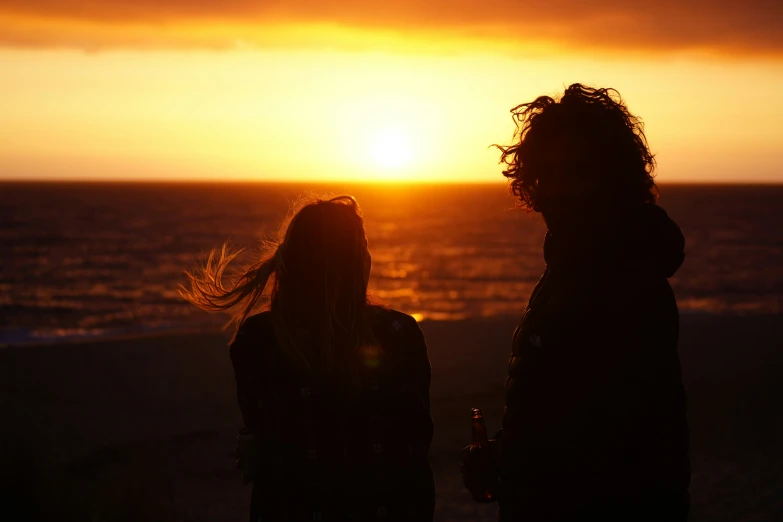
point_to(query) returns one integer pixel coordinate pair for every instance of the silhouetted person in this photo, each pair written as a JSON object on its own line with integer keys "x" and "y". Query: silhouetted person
{"x": 334, "y": 391}
{"x": 594, "y": 427}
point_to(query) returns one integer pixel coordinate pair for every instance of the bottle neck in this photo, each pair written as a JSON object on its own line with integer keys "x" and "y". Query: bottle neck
{"x": 479, "y": 428}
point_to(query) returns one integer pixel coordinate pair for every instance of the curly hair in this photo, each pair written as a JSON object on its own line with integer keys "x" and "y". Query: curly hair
{"x": 587, "y": 138}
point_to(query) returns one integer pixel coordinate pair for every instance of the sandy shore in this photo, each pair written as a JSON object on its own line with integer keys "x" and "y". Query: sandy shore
{"x": 157, "y": 415}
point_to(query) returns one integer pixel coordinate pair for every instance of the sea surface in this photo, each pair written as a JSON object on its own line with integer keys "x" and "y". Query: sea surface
{"x": 89, "y": 259}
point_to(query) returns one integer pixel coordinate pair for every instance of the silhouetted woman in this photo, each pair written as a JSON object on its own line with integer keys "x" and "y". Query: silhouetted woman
{"x": 334, "y": 391}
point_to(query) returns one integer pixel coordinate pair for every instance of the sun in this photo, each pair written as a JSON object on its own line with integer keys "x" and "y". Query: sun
{"x": 392, "y": 149}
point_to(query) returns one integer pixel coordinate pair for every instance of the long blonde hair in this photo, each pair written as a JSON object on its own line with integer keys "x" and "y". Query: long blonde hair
{"x": 314, "y": 278}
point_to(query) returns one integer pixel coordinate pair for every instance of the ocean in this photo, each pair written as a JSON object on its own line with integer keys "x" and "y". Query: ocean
{"x": 104, "y": 259}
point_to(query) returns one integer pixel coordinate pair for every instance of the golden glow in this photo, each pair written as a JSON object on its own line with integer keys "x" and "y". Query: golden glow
{"x": 327, "y": 115}
{"x": 392, "y": 150}
{"x": 265, "y": 35}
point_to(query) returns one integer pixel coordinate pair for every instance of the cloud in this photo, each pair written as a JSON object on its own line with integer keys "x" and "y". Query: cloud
{"x": 753, "y": 27}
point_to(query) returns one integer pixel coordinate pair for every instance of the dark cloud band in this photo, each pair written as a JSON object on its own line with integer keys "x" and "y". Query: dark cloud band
{"x": 749, "y": 27}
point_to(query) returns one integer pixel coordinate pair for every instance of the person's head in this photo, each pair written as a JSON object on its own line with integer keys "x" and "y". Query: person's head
{"x": 582, "y": 152}
{"x": 315, "y": 276}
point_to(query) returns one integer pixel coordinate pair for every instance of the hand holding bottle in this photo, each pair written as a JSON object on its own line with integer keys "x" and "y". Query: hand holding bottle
{"x": 479, "y": 462}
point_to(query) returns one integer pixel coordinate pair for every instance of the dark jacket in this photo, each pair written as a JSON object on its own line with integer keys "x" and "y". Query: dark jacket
{"x": 327, "y": 458}
{"x": 595, "y": 421}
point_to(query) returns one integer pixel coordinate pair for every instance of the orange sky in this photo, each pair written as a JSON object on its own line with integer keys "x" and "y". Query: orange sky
{"x": 316, "y": 90}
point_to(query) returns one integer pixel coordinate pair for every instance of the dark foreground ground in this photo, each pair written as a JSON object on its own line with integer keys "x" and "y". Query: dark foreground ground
{"x": 142, "y": 428}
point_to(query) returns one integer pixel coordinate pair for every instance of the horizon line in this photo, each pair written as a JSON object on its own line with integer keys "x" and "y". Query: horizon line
{"x": 215, "y": 181}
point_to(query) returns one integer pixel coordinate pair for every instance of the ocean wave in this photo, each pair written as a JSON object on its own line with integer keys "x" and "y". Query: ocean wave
{"x": 93, "y": 260}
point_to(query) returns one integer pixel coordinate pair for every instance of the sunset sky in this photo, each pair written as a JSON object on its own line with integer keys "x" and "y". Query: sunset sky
{"x": 407, "y": 90}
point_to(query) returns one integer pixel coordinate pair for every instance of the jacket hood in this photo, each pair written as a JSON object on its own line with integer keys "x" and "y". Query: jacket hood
{"x": 640, "y": 240}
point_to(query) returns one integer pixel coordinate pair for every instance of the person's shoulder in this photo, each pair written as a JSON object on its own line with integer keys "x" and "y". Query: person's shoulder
{"x": 258, "y": 320}
{"x": 399, "y": 332}
{"x": 253, "y": 330}
{"x": 255, "y": 324}
{"x": 395, "y": 320}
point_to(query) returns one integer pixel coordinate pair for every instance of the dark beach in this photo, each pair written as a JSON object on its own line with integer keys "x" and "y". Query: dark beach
{"x": 146, "y": 424}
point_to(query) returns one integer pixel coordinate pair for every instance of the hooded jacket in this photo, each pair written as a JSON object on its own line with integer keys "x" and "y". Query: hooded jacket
{"x": 595, "y": 405}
